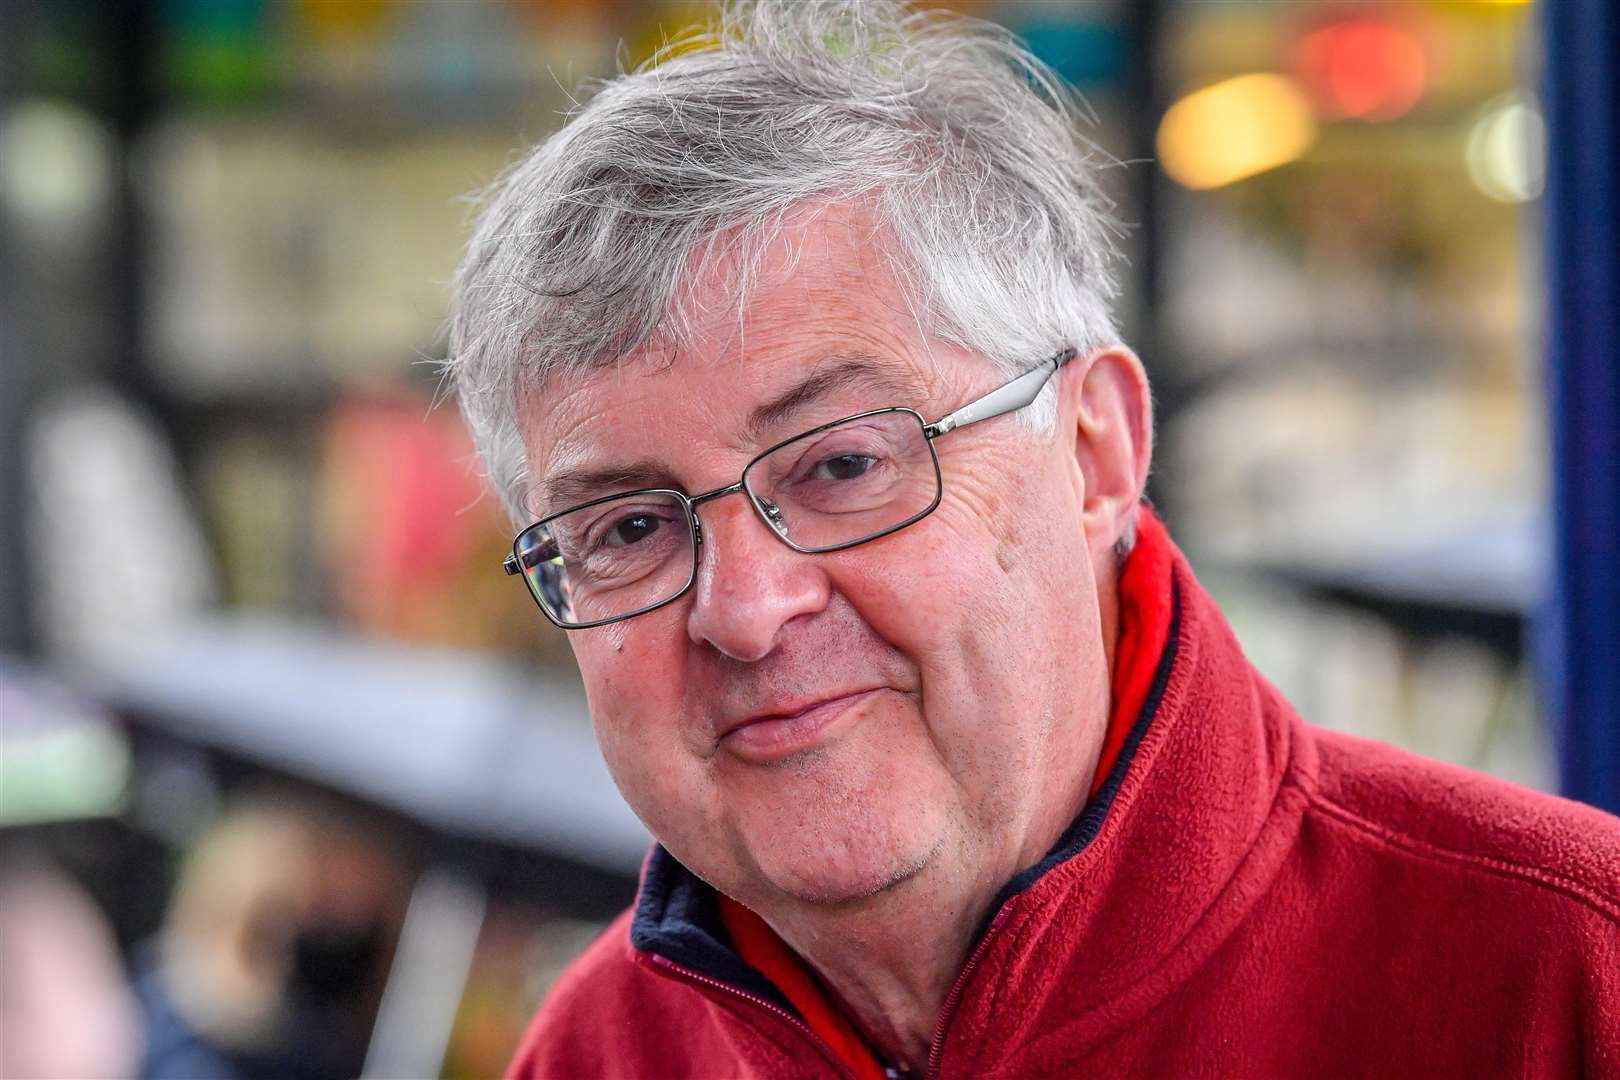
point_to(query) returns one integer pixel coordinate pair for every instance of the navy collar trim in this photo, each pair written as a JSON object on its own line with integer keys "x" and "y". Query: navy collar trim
{"x": 677, "y": 917}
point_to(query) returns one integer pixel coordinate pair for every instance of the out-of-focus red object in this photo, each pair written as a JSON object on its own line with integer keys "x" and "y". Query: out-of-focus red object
{"x": 1362, "y": 68}
{"x": 405, "y": 520}
{"x": 65, "y": 1005}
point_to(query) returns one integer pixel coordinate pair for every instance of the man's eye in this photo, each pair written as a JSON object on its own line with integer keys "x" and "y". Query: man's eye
{"x": 843, "y": 466}
{"x": 631, "y": 530}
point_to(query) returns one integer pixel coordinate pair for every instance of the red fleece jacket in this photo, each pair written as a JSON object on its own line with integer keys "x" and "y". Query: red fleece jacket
{"x": 1244, "y": 896}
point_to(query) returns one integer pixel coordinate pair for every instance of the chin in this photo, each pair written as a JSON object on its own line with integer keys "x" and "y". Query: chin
{"x": 823, "y": 857}
{"x": 847, "y": 883}
{"x": 837, "y": 825}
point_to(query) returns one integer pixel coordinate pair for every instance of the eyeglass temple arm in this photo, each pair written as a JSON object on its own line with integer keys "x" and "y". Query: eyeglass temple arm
{"x": 531, "y": 558}
{"x": 1004, "y": 399}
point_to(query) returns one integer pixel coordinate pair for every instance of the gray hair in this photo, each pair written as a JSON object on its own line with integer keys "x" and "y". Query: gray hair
{"x": 962, "y": 144}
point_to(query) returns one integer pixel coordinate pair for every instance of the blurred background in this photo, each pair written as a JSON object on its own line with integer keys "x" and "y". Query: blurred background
{"x": 295, "y": 783}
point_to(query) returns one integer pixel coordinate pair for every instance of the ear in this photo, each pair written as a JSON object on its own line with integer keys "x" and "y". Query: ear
{"x": 1108, "y": 402}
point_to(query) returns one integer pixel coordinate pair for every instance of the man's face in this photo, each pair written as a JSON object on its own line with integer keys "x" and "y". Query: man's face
{"x": 820, "y": 728}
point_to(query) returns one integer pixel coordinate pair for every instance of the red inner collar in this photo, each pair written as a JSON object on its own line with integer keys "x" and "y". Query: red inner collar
{"x": 1144, "y": 626}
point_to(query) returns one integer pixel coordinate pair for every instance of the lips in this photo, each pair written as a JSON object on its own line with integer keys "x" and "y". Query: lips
{"x": 795, "y": 728}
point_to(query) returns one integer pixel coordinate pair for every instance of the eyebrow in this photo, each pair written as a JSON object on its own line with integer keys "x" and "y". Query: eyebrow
{"x": 573, "y": 486}
{"x": 831, "y": 375}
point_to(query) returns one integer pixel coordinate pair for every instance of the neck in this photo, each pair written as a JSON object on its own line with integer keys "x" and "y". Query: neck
{"x": 889, "y": 961}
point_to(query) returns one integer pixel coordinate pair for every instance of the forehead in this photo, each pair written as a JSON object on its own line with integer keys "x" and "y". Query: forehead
{"x": 826, "y": 313}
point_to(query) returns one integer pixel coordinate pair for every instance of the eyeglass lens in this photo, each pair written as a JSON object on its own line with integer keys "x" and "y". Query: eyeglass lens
{"x": 827, "y": 489}
{"x": 831, "y": 488}
{"x": 609, "y": 559}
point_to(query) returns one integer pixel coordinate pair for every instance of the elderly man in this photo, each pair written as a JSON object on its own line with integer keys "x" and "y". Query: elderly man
{"x": 793, "y": 347}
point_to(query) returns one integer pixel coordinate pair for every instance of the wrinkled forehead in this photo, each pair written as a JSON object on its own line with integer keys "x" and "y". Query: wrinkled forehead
{"x": 691, "y": 423}
{"x": 827, "y": 322}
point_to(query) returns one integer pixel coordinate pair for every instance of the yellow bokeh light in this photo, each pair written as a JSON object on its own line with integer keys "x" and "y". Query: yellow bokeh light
{"x": 1235, "y": 129}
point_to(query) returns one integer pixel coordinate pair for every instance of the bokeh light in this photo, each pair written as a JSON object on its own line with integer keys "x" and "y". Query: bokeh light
{"x": 1362, "y": 69}
{"x": 56, "y": 165}
{"x": 1506, "y": 152}
{"x": 1234, "y": 130}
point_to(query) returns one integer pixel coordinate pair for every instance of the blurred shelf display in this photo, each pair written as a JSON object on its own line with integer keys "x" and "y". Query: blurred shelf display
{"x": 286, "y": 260}
{"x": 1350, "y": 328}
{"x": 461, "y": 741}
{"x": 1357, "y": 317}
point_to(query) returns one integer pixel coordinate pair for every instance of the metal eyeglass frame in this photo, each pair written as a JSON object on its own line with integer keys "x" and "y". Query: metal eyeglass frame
{"x": 1009, "y": 397}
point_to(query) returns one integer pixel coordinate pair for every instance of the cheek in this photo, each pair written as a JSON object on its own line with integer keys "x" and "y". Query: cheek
{"x": 935, "y": 592}
{"x": 633, "y": 666}
{"x": 634, "y": 680}
{"x": 968, "y": 595}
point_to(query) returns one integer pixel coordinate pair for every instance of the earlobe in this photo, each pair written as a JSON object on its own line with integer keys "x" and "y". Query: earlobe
{"x": 1112, "y": 410}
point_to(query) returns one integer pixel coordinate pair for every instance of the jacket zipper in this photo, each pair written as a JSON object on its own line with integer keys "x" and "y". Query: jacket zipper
{"x": 947, "y": 1011}
{"x": 686, "y": 973}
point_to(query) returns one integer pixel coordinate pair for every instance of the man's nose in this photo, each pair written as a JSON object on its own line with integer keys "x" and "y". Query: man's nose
{"x": 749, "y": 584}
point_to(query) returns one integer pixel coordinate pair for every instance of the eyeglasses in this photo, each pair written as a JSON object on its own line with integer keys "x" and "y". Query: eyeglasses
{"x": 835, "y": 486}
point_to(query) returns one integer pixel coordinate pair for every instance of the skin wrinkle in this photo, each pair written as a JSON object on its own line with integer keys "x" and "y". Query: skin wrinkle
{"x": 896, "y": 831}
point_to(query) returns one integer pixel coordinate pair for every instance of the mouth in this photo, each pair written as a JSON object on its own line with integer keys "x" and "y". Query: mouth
{"x": 771, "y": 737}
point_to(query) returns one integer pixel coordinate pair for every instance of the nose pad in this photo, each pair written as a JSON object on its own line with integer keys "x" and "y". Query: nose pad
{"x": 773, "y": 514}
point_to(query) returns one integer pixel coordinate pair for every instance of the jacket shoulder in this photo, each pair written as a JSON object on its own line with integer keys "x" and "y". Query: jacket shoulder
{"x": 1452, "y": 814}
